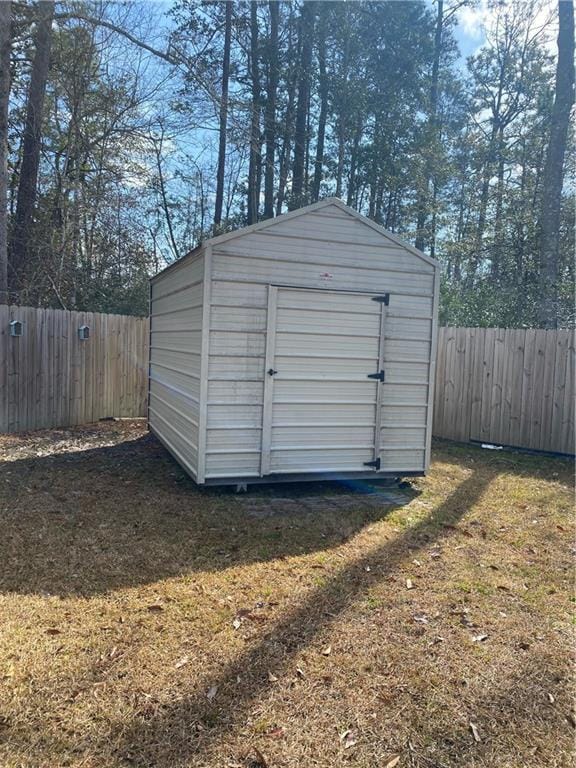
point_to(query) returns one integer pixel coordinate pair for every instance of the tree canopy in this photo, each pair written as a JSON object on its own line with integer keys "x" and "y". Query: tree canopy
{"x": 131, "y": 132}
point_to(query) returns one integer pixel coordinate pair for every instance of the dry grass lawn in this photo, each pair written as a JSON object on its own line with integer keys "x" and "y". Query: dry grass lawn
{"x": 146, "y": 623}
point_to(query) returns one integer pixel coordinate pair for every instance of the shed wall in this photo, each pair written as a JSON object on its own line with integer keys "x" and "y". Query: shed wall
{"x": 324, "y": 249}
{"x": 176, "y": 310}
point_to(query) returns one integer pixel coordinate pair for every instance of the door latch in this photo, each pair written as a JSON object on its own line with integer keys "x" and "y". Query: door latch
{"x": 272, "y": 372}
{"x": 379, "y": 376}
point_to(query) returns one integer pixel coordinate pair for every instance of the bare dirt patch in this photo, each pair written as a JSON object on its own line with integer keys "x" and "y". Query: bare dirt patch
{"x": 145, "y": 622}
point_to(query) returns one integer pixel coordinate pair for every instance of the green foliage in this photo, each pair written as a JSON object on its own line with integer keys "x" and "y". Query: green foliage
{"x": 414, "y": 138}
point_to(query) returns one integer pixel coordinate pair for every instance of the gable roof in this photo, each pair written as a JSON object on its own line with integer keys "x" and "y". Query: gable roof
{"x": 327, "y": 201}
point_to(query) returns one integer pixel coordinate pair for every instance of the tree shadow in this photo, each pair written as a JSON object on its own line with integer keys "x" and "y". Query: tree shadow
{"x": 90, "y": 521}
{"x": 194, "y": 725}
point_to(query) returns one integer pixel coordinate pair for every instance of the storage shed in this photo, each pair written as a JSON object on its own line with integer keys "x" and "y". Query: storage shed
{"x": 297, "y": 348}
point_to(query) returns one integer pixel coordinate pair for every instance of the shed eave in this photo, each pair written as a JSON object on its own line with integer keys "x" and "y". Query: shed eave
{"x": 325, "y": 202}
{"x": 194, "y": 252}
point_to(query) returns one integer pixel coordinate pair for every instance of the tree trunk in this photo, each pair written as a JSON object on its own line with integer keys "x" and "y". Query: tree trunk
{"x": 323, "y": 88}
{"x": 424, "y": 194}
{"x": 292, "y": 55}
{"x": 31, "y": 141}
{"x": 255, "y": 161}
{"x": 343, "y": 117}
{"x": 270, "y": 114}
{"x": 5, "y": 47}
{"x": 351, "y": 193}
{"x": 549, "y": 224}
{"x": 307, "y": 27}
{"x": 223, "y": 118}
{"x": 497, "y": 247}
{"x": 483, "y": 204}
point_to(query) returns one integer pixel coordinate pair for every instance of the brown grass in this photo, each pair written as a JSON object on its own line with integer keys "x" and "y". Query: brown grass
{"x": 121, "y": 582}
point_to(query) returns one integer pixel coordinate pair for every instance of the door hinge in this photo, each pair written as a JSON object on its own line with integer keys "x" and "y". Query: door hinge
{"x": 384, "y": 299}
{"x": 379, "y": 376}
{"x": 375, "y": 463}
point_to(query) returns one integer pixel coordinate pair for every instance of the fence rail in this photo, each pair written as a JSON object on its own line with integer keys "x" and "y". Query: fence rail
{"x": 507, "y": 387}
{"x": 49, "y": 377}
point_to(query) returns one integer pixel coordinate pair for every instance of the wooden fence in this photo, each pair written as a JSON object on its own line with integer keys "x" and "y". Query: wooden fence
{"x": 49, "y": 377}
{"x": 506, "y": 387}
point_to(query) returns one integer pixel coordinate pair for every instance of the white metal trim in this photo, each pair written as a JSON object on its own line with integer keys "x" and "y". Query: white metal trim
{"x": 432, "y": 371}
{"x": 380, "y": 384}
{"x": 204, "y": 360}
{"x": 268, "y": 380}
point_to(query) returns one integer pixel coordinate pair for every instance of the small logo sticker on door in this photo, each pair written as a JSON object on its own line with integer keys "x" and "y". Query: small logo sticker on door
{"x": 326, "y": 275}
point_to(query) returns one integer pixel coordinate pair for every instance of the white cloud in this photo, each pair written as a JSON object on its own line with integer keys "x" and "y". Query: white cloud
{"x": 478, "y": 22}
{"x": 474, "y": 20}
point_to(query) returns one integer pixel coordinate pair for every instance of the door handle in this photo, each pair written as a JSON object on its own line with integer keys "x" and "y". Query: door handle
{"x": 271, "y": 372}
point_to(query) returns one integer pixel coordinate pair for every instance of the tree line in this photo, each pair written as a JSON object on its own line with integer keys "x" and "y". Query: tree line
{"x": 129, "y": 133}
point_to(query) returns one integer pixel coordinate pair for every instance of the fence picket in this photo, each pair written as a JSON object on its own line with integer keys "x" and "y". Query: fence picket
{"x": 49, "y": 378}
{"x": 519, "y": 389}
{"x": 512, "y": 387}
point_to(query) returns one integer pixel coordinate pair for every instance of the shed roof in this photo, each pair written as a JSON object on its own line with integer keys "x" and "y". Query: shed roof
{"x": 328, "y": 201}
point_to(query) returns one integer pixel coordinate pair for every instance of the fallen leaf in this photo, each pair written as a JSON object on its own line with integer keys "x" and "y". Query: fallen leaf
{"x": 300, "y": 672}
{"x": 551, "y": 698}
{"x": 327, "y": 651}
{"x": 272, "y": 678}
{"x": 276, "y": 733}
{"x": 409, "y": 584}
{"x": 156, "y": 608}
{"x": 184, "y": 660}
{"x": 393, "y": 763}
{"x": 475, "y": 734}
{"x": 237, "y": 623}
{"x": 53, "y": 631}
{"x": 418, "y": 563}
{"x": 212, "y": 692}
{"x": 348, "y": 738}
{"x": 422, "y": 619}
{"x": 479, "y": 638}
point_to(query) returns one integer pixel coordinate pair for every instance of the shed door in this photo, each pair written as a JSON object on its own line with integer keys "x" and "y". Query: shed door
{"x": 321, "y": 393}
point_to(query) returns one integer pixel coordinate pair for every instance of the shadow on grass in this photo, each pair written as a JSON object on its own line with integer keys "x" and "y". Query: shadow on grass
{"x": 91, "y": 521}
{"x": 192, "y": 726}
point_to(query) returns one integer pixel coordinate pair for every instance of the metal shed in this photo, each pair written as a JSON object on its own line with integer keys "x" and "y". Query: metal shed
{"x": 298, "y": 347}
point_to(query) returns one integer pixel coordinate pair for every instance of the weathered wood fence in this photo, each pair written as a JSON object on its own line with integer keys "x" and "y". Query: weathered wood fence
{"x": 493, "y": 385}
{"x": 49, "y": 377}
{"x": 506, "y": 387}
